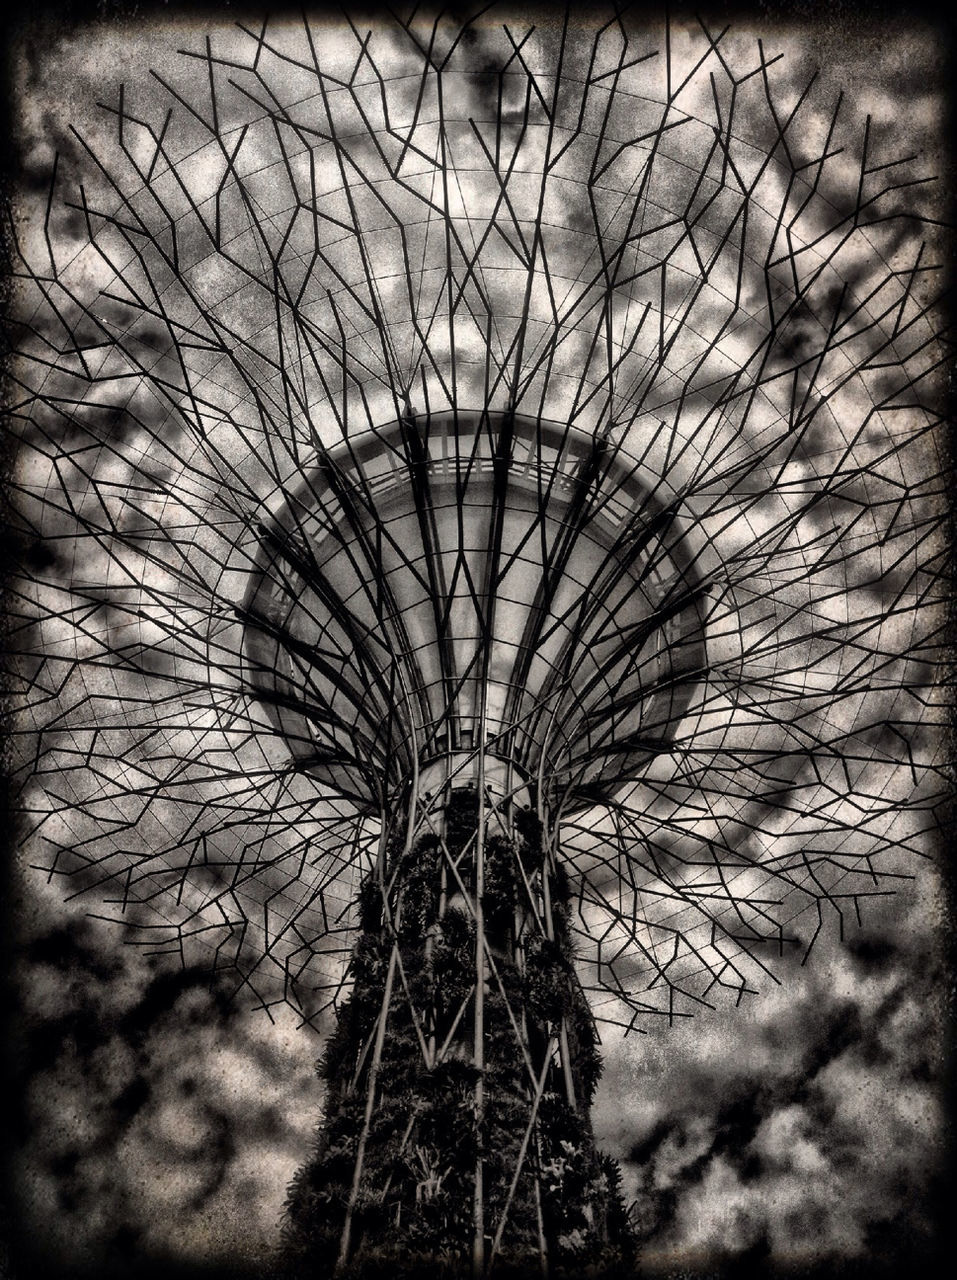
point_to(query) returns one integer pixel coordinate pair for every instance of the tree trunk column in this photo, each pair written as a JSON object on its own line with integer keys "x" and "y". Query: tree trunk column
{"x": 456, "y": 1131}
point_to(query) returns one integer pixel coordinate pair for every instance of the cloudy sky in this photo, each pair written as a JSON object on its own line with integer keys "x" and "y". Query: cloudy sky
{"x": 158, "y": 1122}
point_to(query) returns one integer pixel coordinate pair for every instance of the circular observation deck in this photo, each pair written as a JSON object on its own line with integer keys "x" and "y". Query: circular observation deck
{"x": 465, "y": 582}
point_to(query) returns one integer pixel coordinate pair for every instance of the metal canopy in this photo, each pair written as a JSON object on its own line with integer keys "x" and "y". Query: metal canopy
{"x": 376, "y": 637}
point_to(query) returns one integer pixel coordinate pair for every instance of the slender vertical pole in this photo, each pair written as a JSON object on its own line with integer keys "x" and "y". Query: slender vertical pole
{"x": 564, "y": 1048}
{"x": 478, "y": 1206}
{"x": 567, "y": 1065}
{"x": 429, "y": 948}
{"x": 540, "y": 1224}
{"x": 345, "y": 1240}
{"x": 522, "y": 1152}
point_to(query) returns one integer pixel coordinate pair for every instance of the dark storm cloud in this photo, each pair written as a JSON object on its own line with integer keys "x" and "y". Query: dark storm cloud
{"x": 157, "y": 1121}
{"x": 806, "y": 1131}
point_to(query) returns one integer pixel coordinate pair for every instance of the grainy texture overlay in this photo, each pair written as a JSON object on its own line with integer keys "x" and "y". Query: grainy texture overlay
{"x": 705, "y": 245}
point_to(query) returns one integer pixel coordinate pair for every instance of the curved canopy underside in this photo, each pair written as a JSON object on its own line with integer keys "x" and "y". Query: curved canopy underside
{"x": 475, "y": 578}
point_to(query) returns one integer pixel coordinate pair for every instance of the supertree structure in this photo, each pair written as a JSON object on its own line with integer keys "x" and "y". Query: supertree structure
{"x": 483, "y": 519}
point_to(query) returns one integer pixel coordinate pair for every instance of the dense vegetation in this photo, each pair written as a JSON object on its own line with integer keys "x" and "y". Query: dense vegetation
{"x": 417, "y": 1143}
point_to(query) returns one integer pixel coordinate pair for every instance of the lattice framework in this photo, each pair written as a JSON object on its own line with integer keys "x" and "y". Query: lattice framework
{"x": 641, "y": 237}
